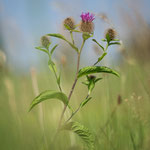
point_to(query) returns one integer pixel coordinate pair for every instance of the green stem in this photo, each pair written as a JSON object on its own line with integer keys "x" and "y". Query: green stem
{"x": 73, "y": 86}
{"x": 76, "y": 110}
{"x": 59, "y": 86}
{"x": 103, "y": 55}
{"x": 72, "y": 37}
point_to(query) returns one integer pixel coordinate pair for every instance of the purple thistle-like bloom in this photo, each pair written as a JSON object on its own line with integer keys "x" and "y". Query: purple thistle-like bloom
{"x": 87, "y": 17}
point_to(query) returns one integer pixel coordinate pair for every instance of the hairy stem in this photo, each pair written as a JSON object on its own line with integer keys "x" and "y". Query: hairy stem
{"x": 73, "y": 86}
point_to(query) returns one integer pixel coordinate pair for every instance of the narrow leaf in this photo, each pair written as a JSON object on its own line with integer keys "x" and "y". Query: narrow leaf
{"x": 52, "y": 66}
{"x": 104, "y": 40}
{"x": 77, "y": 31}
{"x": 63, "y": 38}
{"x": 115, "y": 43}
{"x": 67, "y": 27}
{"x": 42, "y": 49}
{"x": 115, "y": 40}
{"x": 98, "y": 44}
{"x": 83, "y": 132}
{"x": 57, "y": 36}
{"x": 52, "y": 50}
{"x": 100, "y": 58}
{"x": 58, "y": 80}
{"x": 85, "y": 83}
{"x": 49, "y": 95}
{"x": 85, "y": 101}
{"x": 86, "y": 36}
{"x": 96, "y": 69}
{"x": 98, "y": 79}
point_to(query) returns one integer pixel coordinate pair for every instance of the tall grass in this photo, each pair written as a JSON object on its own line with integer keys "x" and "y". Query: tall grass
{"x": 124, "y": 126}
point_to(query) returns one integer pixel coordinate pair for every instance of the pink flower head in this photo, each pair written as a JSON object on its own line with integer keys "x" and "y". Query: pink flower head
{"x": 87, "y": 17}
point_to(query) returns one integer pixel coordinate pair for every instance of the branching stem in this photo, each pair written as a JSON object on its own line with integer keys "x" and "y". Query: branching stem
{"x": 102, "y": 54}
{"x": 76, "y": 110}
{"x": 72, "y": 37}
{"x": 73, "y": 86}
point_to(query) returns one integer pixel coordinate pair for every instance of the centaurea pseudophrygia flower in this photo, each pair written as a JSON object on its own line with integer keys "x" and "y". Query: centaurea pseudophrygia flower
{"x": 87, "y": 24}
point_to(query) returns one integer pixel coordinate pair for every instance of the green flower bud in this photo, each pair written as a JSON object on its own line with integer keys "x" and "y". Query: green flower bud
{"x": 45, "y": 41}
{"x": 111, "y": 33}
{"x": 69, "y": 23}
{"x": 87, "y": 27}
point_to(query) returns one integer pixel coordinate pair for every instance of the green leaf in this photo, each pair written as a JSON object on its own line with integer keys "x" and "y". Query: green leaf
{"x": 67, "y": 27}
{"x": 85, "y": 83}
{"x": 115, "y": 43}
{"x": 48, "y": 46}
{"x": 98, "y": 44}
{"x": 49, "y": 95}
{"x": 95, "y": 69}
{"x": 83, "y": 132}
{"x": 52, "y": 66}
{"x": 98, "y": 79}
{"x": 52, "y": 50}
{"x": 77, "y": 31}
{"x": 85, "y": 102}
{"x": 42, "y": 49}
{"x": 58, "y": 79}
{"x": 86, "y": 36}
{"x": 57, "y": 36}
{"x": 100, "y": 58}
{"x": 108, "y": 38}
{"x": 63, "y": 38}
{"x": 115, "y": 40}
{"x": 104, "y": 40}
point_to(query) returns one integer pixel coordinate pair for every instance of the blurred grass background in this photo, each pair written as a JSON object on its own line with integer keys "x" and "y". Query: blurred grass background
{"x": 23, "y": 76}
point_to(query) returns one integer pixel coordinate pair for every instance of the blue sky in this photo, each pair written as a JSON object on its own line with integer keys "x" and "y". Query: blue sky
{"x": 23, "y": 22}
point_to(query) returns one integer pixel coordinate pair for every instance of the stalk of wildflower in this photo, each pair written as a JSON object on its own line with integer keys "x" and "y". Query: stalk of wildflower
{"x": 89, "y": 27}
{"x": 69, "y": 24}
{"x": 86, "y": 24}
{"x": 110, "y": 35}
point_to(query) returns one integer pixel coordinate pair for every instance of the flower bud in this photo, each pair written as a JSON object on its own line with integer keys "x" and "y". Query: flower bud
{"x": 87, "y": 27}
{"x": 91, "y": 77}
{"x": 45, "y": 41}
{"x": 69, "y": 22}
{"x": 111, "y": 33}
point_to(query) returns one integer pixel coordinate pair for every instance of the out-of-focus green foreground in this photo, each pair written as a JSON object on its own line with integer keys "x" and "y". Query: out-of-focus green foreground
{"x": 117, "y": 127}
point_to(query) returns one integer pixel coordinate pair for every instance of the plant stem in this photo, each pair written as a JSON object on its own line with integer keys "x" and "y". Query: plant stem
{"x": 56, "y": 76}
{"x": 57, "y": 79}
{"x": 72, "y": 37}
{"x": 103, "y": 55}
{"x": 76, "y": 110}
{"x": 73, "y": 86}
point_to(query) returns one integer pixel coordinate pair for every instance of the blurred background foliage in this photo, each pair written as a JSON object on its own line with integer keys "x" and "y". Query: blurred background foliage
{"x": 24, "y": 74}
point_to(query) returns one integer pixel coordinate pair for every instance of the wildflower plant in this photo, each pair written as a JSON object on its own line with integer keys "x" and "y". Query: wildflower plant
{"x": 86, "y": 29}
